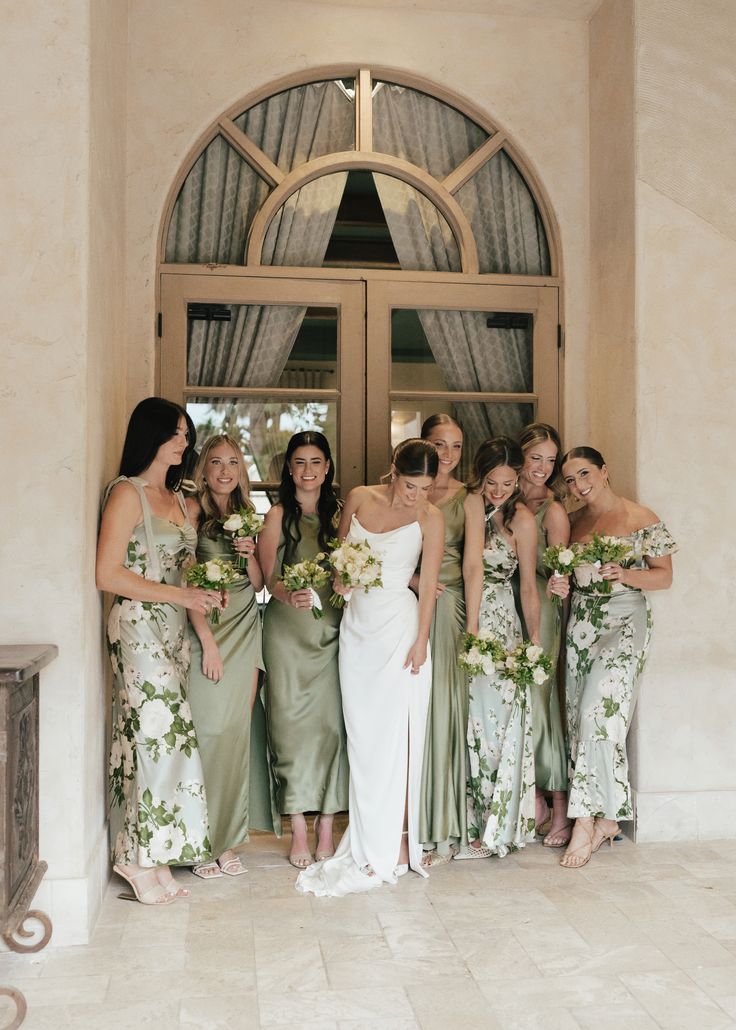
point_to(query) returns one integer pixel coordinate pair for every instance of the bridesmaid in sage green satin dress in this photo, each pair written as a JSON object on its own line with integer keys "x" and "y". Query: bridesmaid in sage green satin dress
{"x": 542, "y": 449}
{"x": 303, "y": 700}
{"x": 442, "y": 814}
{"x": 226, "y": 664}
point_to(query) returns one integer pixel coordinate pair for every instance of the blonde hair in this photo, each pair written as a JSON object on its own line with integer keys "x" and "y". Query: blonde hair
{"x": 538, "y": 432}
{"x": 209, "y": 519}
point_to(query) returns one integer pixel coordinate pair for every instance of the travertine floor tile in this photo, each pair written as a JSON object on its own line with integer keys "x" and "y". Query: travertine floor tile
{"x": 676, "y": 1002}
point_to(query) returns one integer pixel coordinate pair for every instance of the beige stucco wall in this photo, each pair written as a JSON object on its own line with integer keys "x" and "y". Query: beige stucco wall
{"x": 685, "y": 390}
{"x": 62, "y": 178}
{"x": 612, "y": 369}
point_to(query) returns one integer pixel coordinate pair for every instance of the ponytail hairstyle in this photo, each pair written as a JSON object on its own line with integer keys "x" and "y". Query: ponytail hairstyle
{"x": 493, "y": 454}
{"x": 240, "y": 496}
{"x": 152, "y": 423}
{"x": 440, "y": 419}
{"x": 327, "y": 505}
{"x": 415, "y": 457}
{"x": 538, "y": 432}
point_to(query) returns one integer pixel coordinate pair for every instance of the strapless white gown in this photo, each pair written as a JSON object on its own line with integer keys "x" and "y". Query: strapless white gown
{"x": 385, "y": 710}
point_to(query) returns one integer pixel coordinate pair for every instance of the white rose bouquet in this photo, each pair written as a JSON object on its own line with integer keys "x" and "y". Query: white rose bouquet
{"x": 562, "y": 559}
{"x": 603, "y": 550}
{"x": 527, "y": 665}
{"x": 356, "y": 565}
{"x": 307, "y": 575}
{"x": 481, "y": 655}
{"x": 215, "y": 574}
{"x": 244, "y": 522}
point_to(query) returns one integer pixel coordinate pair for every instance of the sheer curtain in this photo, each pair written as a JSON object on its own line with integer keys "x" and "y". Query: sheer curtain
{"x": 214, "y": 211}
{"x": 509, "y": 236}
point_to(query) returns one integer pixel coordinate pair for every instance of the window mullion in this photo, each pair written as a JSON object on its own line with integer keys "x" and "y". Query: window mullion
{"x": 253, "y": 154}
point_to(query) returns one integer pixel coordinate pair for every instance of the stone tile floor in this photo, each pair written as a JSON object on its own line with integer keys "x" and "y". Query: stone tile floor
{"x": 643, "y": 937}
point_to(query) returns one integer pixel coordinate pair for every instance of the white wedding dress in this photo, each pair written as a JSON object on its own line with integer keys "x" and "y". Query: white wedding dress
{"x": 385, "y": 709}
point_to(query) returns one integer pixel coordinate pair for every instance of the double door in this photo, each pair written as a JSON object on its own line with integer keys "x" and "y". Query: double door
{"x": 362, "y": 357}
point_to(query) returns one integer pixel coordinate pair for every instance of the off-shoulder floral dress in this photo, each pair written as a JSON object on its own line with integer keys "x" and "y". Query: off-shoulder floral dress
{"x": 500, "y": 743}
{"x": 607, "y": 644}
{"x": 158, "y": 811}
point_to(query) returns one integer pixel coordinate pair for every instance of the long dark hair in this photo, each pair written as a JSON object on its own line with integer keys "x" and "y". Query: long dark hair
{"x": 493, "y": 454}
{"x": 535, "y": 433}
{"x": 327, "y": 506}
{"x": 153, "y": 422}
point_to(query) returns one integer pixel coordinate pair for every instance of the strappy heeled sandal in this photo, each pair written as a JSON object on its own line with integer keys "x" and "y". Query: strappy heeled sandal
{"x": 231, "y": 866}
{"x": 599, "y": 836}
{"x": 560, "y": 838}
{"x": 157, "y": 895}
{"x": 207, "y": 870}
{"x": 320, "y": 856}
{"x": 582, "y": 852}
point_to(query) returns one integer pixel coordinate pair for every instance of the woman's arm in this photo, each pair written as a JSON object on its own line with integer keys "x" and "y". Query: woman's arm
{"x": 524, "y": 528}
{"x": 657, "y": 576}
{"x": 349, "y": 508}
{"x": 556, "y": 525}
{"x": 212, "y": 665}
{"x": 121, "y": 515}
{"x": 475, "y": 532}
{"x": 433, "y": 546}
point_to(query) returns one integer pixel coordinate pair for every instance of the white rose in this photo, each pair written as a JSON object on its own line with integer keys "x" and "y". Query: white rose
{"x": 233, "y": 524}
{"x": 484, "y": 634}
{"x": 474, "y": 656}
{"x": 534, "y": 652}
{"x": 366, "y": 577}
{"x": 583, "y": 634}
{"x": 156, "y": 719}
{"x": 213, "y": 571}
{"x": 488, "y": 665}
{"x": 510, "y": 663}
{"x": 567, "y": 556}
{"x": 539, "y": 676}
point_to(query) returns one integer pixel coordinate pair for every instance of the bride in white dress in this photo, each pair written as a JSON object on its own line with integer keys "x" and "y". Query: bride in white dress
{"x": 385, "y": 677}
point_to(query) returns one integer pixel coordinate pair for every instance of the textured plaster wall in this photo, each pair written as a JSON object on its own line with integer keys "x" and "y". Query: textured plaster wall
{"x": 530, "y": 74}
{"x": 686, "y": 384}
{"x": 613, "y": 418}
{"x": 60, "y": 326}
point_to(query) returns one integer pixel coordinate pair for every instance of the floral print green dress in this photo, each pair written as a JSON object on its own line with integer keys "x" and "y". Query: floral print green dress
{"x": 607, "y": 644}
{"x": 158, "y": 811}
{"x": 500, "y": 742}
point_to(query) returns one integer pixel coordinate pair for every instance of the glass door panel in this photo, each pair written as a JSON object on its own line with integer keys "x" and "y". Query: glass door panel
{"x": 487, "y": 355}
{"x": 266, "y": 358}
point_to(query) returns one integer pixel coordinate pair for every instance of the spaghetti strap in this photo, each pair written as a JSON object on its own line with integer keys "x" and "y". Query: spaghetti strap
{"x": 153, "y": 568}
{"x": 182, "y": 504}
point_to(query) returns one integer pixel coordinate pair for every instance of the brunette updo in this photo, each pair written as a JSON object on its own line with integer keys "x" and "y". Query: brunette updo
{"x": 585, "y": 454}
{"x": 415, "y": 457}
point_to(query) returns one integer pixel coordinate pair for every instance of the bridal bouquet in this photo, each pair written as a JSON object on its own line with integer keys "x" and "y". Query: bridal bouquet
{"x": 481, "y": 655}
{"x": 561, "y": 559}
{"x": 357, "y": 565}
{"x": 244, "y": 522}
{"x": 600, "y": 551}
{"x": 307, "y": 575}
{"x": 524, "y": 667}
{"x": 215, "y": 574}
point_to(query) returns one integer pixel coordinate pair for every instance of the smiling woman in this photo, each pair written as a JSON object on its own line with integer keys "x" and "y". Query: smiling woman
{"x": 303, "y": 702}
{"x": 607, "y": 644}
{"x": 158, "y": 815}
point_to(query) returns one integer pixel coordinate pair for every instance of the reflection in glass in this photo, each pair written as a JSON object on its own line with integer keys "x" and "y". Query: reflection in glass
{"x": 277, "y": 345}
{"x": 479, "y": 422}
{"x": 262, "y": 428}
{"x": 421, "y": 129}
{"x": 506, "y": 223}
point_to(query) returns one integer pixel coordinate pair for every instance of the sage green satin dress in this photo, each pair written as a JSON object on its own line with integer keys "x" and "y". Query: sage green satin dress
{"x": 442, "y": 814}
{"x": 232, "y": 740}
{"x": 302, "y": 693}
{"x": 550, "y": 756}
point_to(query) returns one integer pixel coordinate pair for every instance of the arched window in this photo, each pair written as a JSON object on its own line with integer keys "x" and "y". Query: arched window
{"x": 354, "y": 253}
